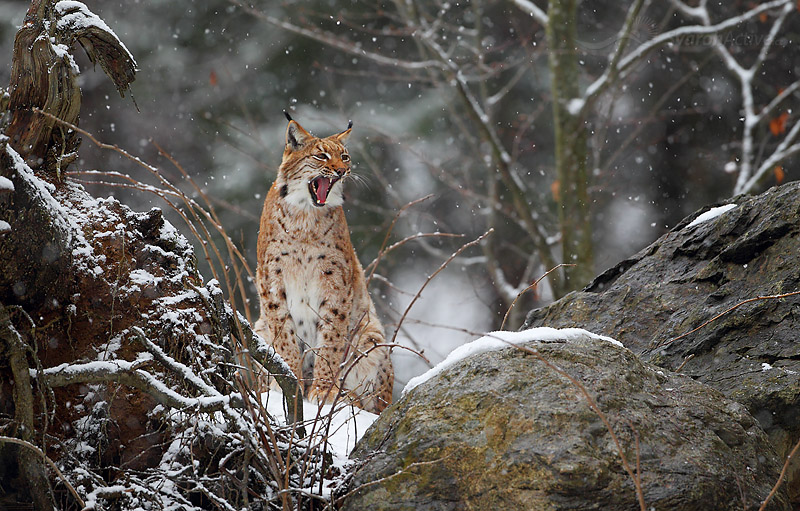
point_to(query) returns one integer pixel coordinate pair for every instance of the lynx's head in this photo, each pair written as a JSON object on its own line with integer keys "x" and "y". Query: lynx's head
{"x": 312, "y": 167}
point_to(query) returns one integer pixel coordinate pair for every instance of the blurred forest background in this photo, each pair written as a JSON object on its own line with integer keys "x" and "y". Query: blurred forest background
{"x": 455, "y": 99}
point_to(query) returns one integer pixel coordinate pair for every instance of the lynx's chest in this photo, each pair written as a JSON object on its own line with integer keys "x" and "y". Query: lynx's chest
{"x": 304, "y": 295}
{"x": 308, "y": 266}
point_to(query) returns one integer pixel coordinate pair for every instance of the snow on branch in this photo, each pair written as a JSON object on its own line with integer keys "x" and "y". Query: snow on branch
{"x": 747, "y": 180}
{"x": 531, "y": 8}
{"x": 131, "y": 374}
{"x": 102, "y": 45}
{"x": 578, "y": 105}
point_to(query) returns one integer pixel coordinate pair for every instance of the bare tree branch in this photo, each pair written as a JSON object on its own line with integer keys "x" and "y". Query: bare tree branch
{"x": 596, "y": 88}
{"x": 338, "y": 43}
{"x": 532, "y": 9}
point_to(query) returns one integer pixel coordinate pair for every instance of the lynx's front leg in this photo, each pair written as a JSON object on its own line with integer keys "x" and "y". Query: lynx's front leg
{"x": 276, "y": 325}
{"x": 331, "y": 349}
{"x": 368, "y": 369}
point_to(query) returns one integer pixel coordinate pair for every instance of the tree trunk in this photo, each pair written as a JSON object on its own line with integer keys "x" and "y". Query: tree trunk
{"x": 43, "y": 78}
{"x": 570, "y": 146}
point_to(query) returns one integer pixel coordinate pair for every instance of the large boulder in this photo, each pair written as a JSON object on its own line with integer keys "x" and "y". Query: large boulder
{"x": 709, "y": 263}
{"x": 502, "y": 429}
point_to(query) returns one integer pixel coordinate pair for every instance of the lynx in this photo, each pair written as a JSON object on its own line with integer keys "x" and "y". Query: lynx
{"x": 315, "y": 309}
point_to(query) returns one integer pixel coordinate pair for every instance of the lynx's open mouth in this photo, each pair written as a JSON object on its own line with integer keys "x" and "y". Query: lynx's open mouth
{"x": 320, "y": 187}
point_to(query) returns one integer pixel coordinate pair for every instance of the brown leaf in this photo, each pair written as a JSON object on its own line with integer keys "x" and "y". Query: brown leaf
{"x": 780, "y": 175}
{"x": 778, "y": 124}
{"x": 555, "y": 189}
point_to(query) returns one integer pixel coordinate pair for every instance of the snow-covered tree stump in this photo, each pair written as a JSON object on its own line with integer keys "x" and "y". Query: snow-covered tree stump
{"x": 116, "y": 361}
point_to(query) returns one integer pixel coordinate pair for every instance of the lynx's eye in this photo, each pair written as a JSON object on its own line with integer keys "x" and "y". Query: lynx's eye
{"x": 322, "y": 156}
{"x": 345, "y": 157}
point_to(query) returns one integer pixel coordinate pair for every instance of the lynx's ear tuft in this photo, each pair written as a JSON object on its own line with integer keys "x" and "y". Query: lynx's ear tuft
{"x": 296, "y": 136}
{"x": 288, "y": 117}
{"x": 342, "y": 137}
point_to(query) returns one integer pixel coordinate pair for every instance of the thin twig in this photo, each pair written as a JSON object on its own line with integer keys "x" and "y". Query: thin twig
{"x": 233, "y": 251}
{"x": 276, "y": 464}
{"x": 390, "y": 476}
{"x": 432, "y": 275}
{"x": 535, "y": 283}
{"x": 731, "y": 309}
{"x": 374, "y": 264}
{"x": 412, "y": 237}
{"x": 635, "y": 476}
{"x": 49, "y": 462}
{"x": 780, "y": 477}
{"x": 684, "y": 363}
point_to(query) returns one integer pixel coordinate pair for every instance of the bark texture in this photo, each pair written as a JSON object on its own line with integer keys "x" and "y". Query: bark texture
{"x": 43, "y": 77}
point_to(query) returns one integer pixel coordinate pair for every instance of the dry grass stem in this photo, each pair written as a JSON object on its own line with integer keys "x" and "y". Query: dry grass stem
{"x": 432, "y": 275}
{"x": 684, "y": 363}
{"x": 387, "y": 478}
{"x": 780, "y": 477}
{"x": 374, "y": 264}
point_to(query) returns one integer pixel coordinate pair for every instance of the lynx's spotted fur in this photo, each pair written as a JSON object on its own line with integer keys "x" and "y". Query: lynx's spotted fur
{"x": 315, "y": 309}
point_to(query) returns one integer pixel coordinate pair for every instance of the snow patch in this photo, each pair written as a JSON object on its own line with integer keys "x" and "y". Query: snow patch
{"x": 4, "y": 226}
{"x": 175, "y": 299}
{"x": 6, "y": 184}
{"x": 347, "y": 426}
{"x": 144, "y": 278}
{"x": 499, "y": 340}
{"x": 711, "y": 214}
{"x": 765, "y": 366}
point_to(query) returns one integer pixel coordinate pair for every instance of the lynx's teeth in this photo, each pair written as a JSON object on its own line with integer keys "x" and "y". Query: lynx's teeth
{"x": 320, "y": 188}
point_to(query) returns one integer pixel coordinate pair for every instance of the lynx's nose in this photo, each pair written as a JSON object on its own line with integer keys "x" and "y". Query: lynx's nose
{"x": 340, "y": 172}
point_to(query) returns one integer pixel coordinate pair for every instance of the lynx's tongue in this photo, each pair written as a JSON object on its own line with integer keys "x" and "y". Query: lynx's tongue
{"x": 320, "y": 187}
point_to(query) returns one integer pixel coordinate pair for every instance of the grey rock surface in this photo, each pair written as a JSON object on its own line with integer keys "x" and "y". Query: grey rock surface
{"x": 651, "y": 301}
{"x": 503, "y": 430}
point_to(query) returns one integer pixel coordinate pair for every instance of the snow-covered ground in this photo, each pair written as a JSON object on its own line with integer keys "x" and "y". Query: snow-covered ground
{"x": 347, "y": 423}
{"x": 340, "y": 426}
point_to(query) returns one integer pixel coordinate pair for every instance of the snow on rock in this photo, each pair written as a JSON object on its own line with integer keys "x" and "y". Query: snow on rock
{"x": 500, "y": 340}
{"x": 4, "y": 226}
{"x": 711, "y": 214}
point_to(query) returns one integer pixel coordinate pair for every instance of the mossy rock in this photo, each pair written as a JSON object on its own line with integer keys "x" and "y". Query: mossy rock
{"x": 694, "y": 274}
{"x": 503, "y": 430}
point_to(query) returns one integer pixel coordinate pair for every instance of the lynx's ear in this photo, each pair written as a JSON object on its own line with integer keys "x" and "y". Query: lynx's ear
{"x": 296, "y": 136}
{"x": 342, "y": 137}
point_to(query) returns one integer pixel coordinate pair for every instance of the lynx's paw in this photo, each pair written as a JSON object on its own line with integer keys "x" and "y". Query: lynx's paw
{"x": 322, "y": 395}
